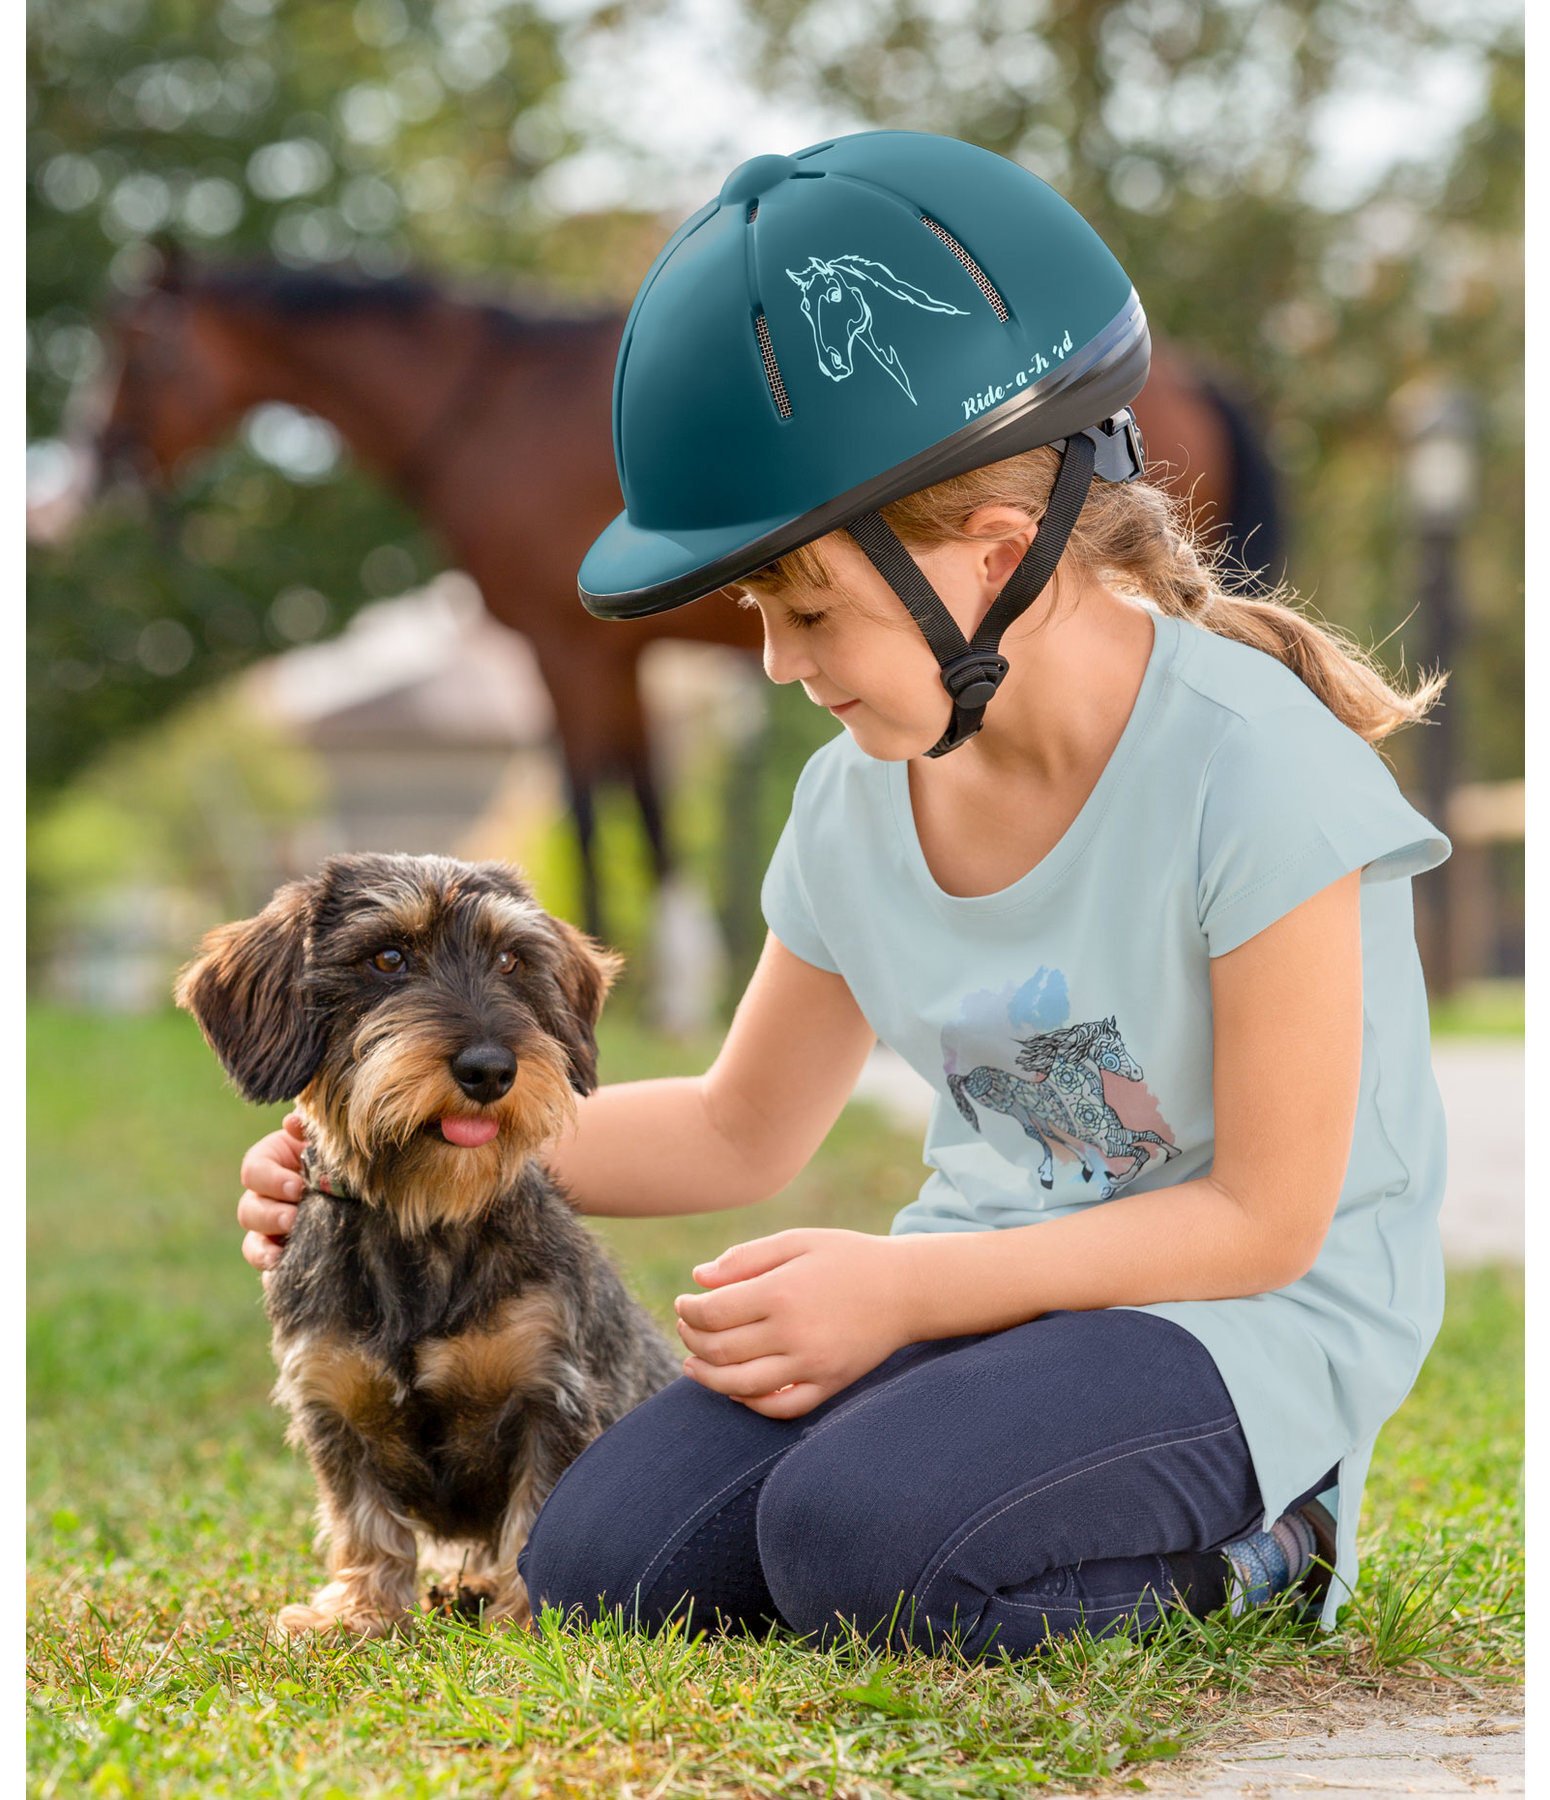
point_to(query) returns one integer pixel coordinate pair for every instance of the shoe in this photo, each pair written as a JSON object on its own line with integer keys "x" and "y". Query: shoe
{"x": 1313, "y": 1585}
{"x": 1253, "y": 1571}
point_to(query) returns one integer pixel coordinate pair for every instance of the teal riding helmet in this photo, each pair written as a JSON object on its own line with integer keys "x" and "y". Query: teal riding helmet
{"x": 848, "y": 325}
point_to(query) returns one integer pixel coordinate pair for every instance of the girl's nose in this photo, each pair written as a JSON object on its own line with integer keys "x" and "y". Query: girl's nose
{"x": 786, "y": 659}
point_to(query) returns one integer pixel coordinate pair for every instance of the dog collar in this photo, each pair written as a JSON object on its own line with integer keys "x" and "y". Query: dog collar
{"x": 322, "y": 1181}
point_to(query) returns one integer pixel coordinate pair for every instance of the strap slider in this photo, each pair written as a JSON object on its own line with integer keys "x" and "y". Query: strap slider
{"x": 973, "y": 678}
{"x": 1121, "y": 456}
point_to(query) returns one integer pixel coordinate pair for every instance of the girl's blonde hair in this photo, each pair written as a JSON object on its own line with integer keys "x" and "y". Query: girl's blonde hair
{"x": 1137, "y": 540}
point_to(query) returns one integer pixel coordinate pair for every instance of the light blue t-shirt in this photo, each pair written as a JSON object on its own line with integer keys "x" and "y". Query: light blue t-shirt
{"x": 1065, "y": 1021}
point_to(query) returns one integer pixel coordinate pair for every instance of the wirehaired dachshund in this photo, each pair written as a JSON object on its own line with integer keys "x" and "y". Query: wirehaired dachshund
{"x": 449, "y": 1336}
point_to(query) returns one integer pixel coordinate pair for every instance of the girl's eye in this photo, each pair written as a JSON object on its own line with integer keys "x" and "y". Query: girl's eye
{"x": 390, "y": 962}
{"x": 806, "y": 621}
{"x": 506, "y": 962}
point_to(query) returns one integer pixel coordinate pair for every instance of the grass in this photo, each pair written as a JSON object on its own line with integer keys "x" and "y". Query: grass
{"x": 168, "y": 1522}
{"x": 1495, "y": 1008}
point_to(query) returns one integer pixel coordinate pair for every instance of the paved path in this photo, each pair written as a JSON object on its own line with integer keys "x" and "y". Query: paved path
{"x": 1482, "y": 1091}
{"x": 1482, "y": 1081}
{"x": 1462, "y": 1751}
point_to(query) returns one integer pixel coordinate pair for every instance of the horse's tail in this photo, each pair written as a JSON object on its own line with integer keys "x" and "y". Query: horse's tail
{"x": 1252, "y": 537}
{"x": 958, "y": 1088}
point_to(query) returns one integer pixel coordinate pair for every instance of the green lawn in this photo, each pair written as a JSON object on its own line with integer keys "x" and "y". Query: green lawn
{"x": 1493, "y": 1008}
{"x": 168, "y": 1522}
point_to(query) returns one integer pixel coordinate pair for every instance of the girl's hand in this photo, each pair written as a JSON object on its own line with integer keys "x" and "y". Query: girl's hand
{"x": 271, "y": 1179}
{"x": 795, "y": 1317}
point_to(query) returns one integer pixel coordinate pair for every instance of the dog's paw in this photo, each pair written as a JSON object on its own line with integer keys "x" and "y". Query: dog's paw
{"x": 511, "y": 1605}
{"x": 294, "y": 1620}
{"x": 336, "y": 1605}
{"x": 485, "y": 1599}
{"x": 460, "y": 1599}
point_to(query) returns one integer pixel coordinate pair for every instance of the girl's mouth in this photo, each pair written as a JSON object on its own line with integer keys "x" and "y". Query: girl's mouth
{"x": 844, "y": 706}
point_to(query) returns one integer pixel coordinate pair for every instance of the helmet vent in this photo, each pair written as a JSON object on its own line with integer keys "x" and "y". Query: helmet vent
{"x": 772, "y": 368}
{"x": 980, "y": 279}
{"x": 753, "y": 210}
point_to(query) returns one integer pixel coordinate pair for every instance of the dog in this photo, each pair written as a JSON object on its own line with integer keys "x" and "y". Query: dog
{"x": 449, "y": 1336}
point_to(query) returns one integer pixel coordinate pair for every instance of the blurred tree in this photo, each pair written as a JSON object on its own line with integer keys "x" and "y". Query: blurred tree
{"x": 1207, "y": 140}
{"x": 207, "y": 810}
{"x": 207, "y": 803}
{"x": 373, "y": 135}
{"x": 1195, "y": 134}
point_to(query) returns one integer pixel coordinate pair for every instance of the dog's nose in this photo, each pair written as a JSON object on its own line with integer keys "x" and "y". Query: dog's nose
{"x": 484, "y": 1071}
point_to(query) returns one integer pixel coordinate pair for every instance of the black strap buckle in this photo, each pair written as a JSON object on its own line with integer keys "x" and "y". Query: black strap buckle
{"x": 972, "y": 672}
{"x": 973, "y": 678}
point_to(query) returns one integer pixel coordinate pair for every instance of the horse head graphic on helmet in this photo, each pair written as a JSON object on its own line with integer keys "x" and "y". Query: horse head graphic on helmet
{"x": 834, "y": 302}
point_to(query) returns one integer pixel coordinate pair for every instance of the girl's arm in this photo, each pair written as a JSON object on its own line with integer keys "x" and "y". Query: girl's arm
{"x": 1287, "y": 1020}
{"x": 807, "y": 1312}
{"x": 742, "y": 1130}
{"x": 736, "y": 1134}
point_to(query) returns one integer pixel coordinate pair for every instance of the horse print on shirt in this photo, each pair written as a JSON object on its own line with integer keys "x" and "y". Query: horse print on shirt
{"x": 834, "y": 303}
{"x": 1071, "y": 1085}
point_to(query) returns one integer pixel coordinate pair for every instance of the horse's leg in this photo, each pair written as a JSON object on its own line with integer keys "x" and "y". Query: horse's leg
{"x": 584, "y": 688}
{"x": 1150, "y": 1137}
{"x": 644, "y": 784}
{"x": 688, "y": 953}
{"x": 1091, "y": 1155}
{"x": 584, "y": 818}
{"x": 1047, "y": 1162}
{"x": 629, "y": 751}
{"x": 1128, "y": 1145}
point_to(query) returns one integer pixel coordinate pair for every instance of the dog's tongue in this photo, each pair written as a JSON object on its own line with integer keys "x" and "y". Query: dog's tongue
{"x": 468, "y": 1132}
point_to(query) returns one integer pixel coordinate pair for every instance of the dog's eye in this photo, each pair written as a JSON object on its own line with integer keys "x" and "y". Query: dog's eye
{"x": 390, "y": 962}
{"x": 506, "y": 961}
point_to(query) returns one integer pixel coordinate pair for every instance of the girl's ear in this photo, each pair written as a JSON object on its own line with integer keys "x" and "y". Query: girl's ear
{"x": 244, "y": 990}
{"x": 587, "y": 971}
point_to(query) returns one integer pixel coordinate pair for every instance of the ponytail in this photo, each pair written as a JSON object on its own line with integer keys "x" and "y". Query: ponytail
{"x": 1136, "y": 539}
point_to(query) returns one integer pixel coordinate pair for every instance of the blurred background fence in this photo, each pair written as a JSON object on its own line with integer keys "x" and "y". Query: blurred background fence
{"x": 266, "y": 652}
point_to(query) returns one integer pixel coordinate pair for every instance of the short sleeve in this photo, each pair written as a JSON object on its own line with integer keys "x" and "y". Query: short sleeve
{"x": 788, "y": 911}
{"x": 1292, "y": 801}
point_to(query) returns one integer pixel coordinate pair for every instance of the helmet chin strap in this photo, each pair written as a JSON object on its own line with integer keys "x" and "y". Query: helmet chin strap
{"x": 973, "y": 668}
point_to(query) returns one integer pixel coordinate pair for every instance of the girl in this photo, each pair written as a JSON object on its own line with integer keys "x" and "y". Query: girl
{"x": 1102, "y": 851}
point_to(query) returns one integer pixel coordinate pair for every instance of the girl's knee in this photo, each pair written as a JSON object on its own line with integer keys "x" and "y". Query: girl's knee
{"x": 618, "y": 1514}
{"x": 592, "y": 1536}
{"x": 833, "y": 1554}
{"x": 567, "y": 1562}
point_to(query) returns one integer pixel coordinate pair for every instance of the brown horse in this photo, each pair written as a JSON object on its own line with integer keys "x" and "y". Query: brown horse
{"x": 495, "y": 428}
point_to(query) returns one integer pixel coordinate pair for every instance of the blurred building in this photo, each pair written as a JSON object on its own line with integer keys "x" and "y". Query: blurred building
{"x": 416, "y": 713}
{"x": 426, "y": 716}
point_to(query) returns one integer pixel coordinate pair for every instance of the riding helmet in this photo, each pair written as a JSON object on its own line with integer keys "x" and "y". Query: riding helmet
{"x": 842, "y": 327}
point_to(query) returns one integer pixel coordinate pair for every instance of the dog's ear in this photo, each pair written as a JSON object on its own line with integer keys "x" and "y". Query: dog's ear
{"x": 244, "y": 989}
{"x": 587, "y": 970}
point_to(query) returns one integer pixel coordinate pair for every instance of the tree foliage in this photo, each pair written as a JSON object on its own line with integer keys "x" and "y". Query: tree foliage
{"x": 1194, "y": 133}
{"x": 1207, "y": 142}
{"x": 378, "y": 135}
